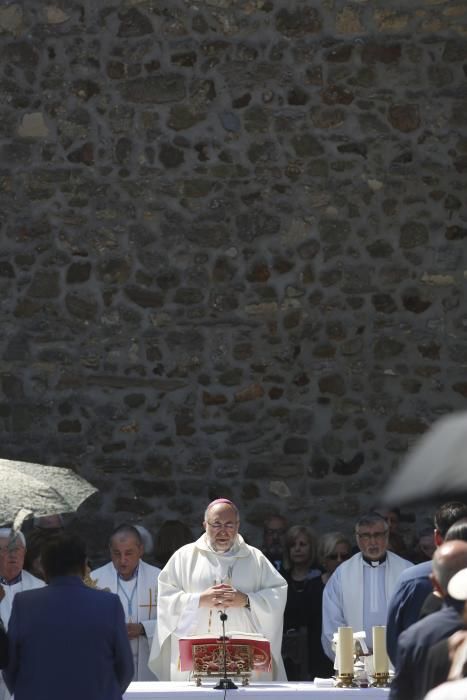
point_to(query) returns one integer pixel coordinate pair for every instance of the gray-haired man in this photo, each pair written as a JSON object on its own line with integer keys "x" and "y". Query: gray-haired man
{"x": 357, "y": 593}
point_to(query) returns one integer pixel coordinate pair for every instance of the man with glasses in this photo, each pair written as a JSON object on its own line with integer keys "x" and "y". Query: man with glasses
{"x": 13, "y": 579}
{"x": 357, "y": 593}
{"x": 217, "y": 573}
{"x": 275, "y": 527}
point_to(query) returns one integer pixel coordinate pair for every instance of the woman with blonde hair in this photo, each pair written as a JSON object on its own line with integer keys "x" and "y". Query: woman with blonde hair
{"x": 304, "y": 597}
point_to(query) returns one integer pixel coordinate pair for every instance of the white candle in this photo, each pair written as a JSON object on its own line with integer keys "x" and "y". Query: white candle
{"x": 380, "y": 655}
{"x": 345, "y": 649}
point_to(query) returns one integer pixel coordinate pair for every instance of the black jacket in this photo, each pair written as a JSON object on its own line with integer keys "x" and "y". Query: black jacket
{"x": 3, "y": 646}
{"x": 413, "y": 646}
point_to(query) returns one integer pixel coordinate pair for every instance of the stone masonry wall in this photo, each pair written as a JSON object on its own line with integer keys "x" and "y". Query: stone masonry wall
{"x": 233, "y": 247}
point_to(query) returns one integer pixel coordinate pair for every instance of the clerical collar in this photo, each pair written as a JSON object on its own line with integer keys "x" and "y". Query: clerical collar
{"x": 375, "y": 562}
{"x": 133, "y": 575}
{"x": 12, "y": 581}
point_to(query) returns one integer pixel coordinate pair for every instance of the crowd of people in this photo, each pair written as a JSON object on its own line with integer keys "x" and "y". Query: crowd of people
{"x": 122, "y": 621}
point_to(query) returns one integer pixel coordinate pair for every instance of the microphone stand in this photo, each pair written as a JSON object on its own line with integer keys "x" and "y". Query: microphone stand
{"x": 225, "y": 683}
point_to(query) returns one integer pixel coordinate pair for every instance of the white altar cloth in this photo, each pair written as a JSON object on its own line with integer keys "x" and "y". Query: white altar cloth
{"x": 183, "y": 690}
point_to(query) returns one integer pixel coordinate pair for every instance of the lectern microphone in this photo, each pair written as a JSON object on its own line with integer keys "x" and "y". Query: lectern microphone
{"x": 225, "y": 683}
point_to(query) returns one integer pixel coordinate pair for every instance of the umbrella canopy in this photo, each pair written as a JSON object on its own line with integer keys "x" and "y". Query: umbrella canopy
{"x": 437, "y": 466}
{"x": 37, "y": 489}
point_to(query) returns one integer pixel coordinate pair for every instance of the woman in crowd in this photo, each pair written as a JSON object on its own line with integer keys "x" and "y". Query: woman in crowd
{"x": 334, "y": 548}
{"x": 303, "y": 608}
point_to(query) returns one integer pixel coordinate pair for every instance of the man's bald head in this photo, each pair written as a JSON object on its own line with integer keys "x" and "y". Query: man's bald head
{"x": 221, "y": 502}
{"x": 448, "y": 559}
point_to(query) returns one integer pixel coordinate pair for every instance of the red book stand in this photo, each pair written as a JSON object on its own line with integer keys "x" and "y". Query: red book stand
{"x": 204, "y": 656}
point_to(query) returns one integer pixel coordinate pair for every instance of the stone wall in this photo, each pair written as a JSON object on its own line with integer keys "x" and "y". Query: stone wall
{"x": 233, "y": 247}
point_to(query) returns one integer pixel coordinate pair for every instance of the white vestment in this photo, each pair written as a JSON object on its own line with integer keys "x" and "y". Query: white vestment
{"x": 196, "y": 567}
{"x": 358, "y": 593}
{"x": 139, "y": 600}
{"x": 452, "y": 690}
{"x": 28, "y": 581}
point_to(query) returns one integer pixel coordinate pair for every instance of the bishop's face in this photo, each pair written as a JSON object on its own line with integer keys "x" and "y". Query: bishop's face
{"x": 221, "y": 526}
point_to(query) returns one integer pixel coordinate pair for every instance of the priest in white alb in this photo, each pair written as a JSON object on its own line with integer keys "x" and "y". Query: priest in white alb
{"x": 219, "y": 572}
{"x": 357, "y": 593}
{"x": 135, "y": 583}
{"x": 13, "y": 579}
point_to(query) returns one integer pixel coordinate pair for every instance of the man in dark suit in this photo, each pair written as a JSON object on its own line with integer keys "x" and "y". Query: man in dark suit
{"x": 67, "y": 640}
{"x": 3, "y": 646}
{"x": 414, "y": 584}
{"x": 414, "y": 643}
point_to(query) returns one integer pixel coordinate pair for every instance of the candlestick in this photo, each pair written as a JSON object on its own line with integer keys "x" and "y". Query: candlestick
{"x": 380, "y": 658}
{"x": 345, "y": 655}
{"x": 345, "y": 650}
{"x": 380, "y": 655}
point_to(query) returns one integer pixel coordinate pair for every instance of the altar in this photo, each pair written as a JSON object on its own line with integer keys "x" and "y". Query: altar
{"x": 183, "y": 690}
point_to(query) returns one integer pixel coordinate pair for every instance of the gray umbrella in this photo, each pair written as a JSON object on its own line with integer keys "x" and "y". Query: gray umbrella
{"x": 35, "y": 489}
{"x": 437, "y": 466}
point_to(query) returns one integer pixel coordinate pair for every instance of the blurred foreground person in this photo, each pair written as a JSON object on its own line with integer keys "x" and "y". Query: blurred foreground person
{"x": 448, "y": 658}
{"x": 67, "y": 640}
{"x": 3, "y": 646}
{"x": 135, "y": 583}
{"x": 414, "y": 584}
{"x": 452, "y": 690}
{"x": 409, "y": 682}
{"x": 219, "y": 572}
{"x": 434, "y": 601}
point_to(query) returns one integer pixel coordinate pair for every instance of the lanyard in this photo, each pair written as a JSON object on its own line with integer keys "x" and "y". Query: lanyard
{"x": 129, "y": 598}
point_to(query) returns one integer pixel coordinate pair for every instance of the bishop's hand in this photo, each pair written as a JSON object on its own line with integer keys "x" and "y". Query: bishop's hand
{"x": 212, "y": 597}
{"x": 222, "y": 596}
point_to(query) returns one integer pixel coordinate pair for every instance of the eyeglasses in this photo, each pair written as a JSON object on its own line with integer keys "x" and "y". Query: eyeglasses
{"x": 367, "y": 536}
{"x": 337, "y": 555}
{"x": 222, "y": 526}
